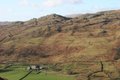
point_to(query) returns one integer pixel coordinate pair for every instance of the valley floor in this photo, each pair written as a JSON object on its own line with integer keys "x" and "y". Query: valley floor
{"x": 17, "y": 72}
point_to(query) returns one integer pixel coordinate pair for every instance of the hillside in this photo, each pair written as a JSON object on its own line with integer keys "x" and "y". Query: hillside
{"x": 55, "y": 38}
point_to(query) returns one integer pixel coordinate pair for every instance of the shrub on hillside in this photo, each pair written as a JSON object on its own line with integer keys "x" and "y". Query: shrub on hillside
{"x": 59, "y": 28}
{"x": 72, "y": 72}
{"x": 117, "y": 56}
{"x": 56, "y": 67}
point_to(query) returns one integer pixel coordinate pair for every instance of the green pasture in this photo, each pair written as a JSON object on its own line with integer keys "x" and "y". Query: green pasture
{"x": 17, "y": 72}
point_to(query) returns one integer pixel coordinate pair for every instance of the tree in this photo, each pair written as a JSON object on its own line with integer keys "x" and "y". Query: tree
{"x": 48, "y": 28}
{"x": 74, "y": 29}
{"x": 59, "y": 28}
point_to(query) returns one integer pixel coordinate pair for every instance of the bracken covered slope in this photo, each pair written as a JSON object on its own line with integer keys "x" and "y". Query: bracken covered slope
{"x": 54, "y": 38}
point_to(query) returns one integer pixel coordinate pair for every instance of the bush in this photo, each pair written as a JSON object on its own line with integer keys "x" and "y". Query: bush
{"x": 59, "y": 29}
{"x": 57, "y": 68}
{"x": 117, "y": 56}
{"x": 72, "y": 72}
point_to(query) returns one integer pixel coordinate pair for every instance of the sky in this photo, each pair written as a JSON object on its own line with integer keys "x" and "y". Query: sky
{"x": 21, "y": 10}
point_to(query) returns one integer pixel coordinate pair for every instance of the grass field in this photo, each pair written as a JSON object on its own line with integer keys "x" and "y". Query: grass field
{"x": 15, "y": 73}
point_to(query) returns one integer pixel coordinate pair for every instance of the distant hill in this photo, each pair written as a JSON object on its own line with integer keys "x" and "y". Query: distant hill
{"x": 5, "y": 23}
{"x": 74, "y": 15}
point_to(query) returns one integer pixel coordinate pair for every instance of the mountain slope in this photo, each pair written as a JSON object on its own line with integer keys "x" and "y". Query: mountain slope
{"x": 55, "y": 38}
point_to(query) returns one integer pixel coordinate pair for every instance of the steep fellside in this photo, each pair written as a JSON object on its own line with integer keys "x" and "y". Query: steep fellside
{"x": 54, "y": 38}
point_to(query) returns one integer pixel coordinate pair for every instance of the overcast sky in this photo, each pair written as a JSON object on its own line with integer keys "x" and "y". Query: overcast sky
{"x": 13, "y": 10}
